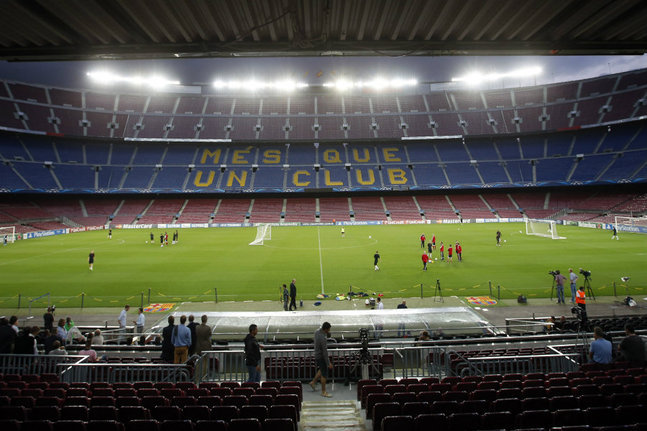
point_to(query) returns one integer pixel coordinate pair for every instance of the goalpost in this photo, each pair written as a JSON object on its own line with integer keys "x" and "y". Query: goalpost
{"x": 545, "y": 228}
{"x": 10, "y": 232}
{"x": 263, "y": 233}
{"x": 631, "y": 224}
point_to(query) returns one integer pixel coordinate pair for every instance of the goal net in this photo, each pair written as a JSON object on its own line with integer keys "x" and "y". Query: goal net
{"x": 631, "y": 224}
{"x": 9, "y": 232}
{"x": 263, "y": 233}
{"x": 545, "y": 228}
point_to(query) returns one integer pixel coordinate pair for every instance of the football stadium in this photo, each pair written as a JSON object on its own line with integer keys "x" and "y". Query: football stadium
{"x": 306, "y": 215}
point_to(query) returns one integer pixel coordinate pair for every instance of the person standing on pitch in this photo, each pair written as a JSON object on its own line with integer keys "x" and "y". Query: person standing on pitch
{"x": 91, "y": 260}
{"x": 109, "y": 233}
{"x": 422, "y": 240}
{"x": 425, "y": 259}
{"x": 442, "y": 251}
{"x": 376, "y": 259}
{"x": 293, "y": 295}
{"x": 498, "y": 238}
{"x": 573, "y": 278}
{"x": 152, "y": 238}
{"x": 559, "y": 285}
{"x": 615, "y": 233}
{"x": 459, "y": 251}
{"x": 343, "y": 232}
{"x": 321, "y": 358}
{"x": 286, "y": 297}
{"x": 253, "y": 355}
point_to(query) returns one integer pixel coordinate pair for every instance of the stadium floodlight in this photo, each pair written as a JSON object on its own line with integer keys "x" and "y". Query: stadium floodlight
{"x": 109, "y": 78}
{"x": 475, "y": 78}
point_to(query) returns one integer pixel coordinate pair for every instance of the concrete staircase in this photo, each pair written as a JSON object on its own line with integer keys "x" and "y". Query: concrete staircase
{"x": 331, "y": 415}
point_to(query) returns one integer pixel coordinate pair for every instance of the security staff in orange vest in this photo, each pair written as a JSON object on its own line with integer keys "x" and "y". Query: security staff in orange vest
{"x": 580, "y": 300}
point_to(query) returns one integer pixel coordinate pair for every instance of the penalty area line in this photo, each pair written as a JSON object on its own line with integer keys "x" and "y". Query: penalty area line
{"x": 320, "y": 263}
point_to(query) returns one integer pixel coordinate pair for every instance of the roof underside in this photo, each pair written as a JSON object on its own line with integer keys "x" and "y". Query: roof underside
{"x": 115, "y": 29}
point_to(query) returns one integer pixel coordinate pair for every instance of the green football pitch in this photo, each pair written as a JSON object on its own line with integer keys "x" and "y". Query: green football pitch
{"x": 317, "y": 257}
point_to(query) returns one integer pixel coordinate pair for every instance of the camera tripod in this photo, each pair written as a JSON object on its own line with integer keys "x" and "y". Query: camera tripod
{"x": 552, "y": 289}
{"x": 438, "y": 293}
{"x": 588, "y": 288}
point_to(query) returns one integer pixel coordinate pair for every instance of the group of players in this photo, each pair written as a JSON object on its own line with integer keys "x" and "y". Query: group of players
{"x": 164, "y": 238}
{"x": 427, "y": 256}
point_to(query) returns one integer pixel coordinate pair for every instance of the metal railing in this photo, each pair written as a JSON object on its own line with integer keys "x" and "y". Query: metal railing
{"x": 36, "y": 364}
{"x": 520, "y": 364}
{"x": 115, "y": 372}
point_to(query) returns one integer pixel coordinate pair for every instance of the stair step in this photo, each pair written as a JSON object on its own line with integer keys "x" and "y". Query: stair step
{"x": 318, "y": 415}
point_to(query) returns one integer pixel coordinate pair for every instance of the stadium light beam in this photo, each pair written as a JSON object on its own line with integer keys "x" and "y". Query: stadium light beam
{"x": 108, "y": 78}
{"x": 475, "y": 78}
{"x": 252, "y": 85}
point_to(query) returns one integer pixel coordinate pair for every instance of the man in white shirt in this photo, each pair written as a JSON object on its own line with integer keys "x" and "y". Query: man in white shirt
{"x": 141, "y": 321}
{"x": 573, "y": 278}
{"x": 380, "y": 305}
{"x": 122, "y": 324}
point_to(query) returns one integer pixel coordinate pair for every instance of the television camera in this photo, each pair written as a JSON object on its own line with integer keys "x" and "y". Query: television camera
{"x": 585, "y": 273}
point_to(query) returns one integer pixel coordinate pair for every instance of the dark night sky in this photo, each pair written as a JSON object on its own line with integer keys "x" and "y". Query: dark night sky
{"x": 316, "y": 70}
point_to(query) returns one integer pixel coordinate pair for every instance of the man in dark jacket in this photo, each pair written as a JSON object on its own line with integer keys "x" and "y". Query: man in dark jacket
{"x": 192, "y": 325}
{"x": 7, "y": 336}
{"x": 293, "y": 295}
{"x": 253, "y": 355}
{"x": 168, "y": 350}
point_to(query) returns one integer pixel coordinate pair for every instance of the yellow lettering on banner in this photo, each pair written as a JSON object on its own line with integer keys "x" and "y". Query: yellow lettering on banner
{"x": 242, "y": 179}
{"x": 297, "y": 182}
{"x": 362, "y": 181}
{"x": 331, "y": 156}
{"x": 239, "y": 156}
{"x": 198, "y": 179}
{"x": 215, "y": 155}
{"x": 397, "y": 176}
{"x": 330, "y": 182}
{"x": 366, "y": 158}
{"x": 389, "y": 154}
{"x": 272, "y": 156}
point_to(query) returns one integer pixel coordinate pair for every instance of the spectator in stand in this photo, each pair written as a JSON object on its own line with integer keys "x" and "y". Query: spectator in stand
{"x": 26, "y": 343}
{"x": 192, "y": 325}
{"x": 321, "y": 358}
{"x": 48, "y": 340}
{"x": 141, "y": 321}
{"x": 122, "y": 324}
{"x": 203, "y": 336}
{"x": 7, "y": 336}
{"x": 401, "y": 325}
{"x": 90, "y": 352}
{"x": 573, "y": 277}
{"x": 61, "y": 333}
{"x": 13, "y": 320}
{"x": 58, "y": 349}
{"x": 181, "y": 341}
{"x": 48, "y": 319}
{"x": 253, "y": 355}
{"x": 97, "y": 338}
{"x": 601, "y": 349}
{"x": 632, "y": 348}
{"x": 167, "y": 343}
{"x": 69, "y": 323}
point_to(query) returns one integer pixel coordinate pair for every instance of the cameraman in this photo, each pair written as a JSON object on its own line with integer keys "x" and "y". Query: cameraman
{"x": 573, "y": 278}
{"x": 559, "y": 281}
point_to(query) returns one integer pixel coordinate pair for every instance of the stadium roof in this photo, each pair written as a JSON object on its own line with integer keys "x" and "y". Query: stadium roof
{"x": 125, "y": 29}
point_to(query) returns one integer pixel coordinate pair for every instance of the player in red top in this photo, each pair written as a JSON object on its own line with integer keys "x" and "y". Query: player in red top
{"x": 425, "y": 259}
{"x": 459, "y": 251}
{"x": 450, "y": 250}
{"x": 433, "y": 241}
{"x": 422, "y": 240}
{"x": 442, "y": 251}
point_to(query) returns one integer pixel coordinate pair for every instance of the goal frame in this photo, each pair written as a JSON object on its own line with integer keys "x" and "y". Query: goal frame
{"x": 263, "y": 233}
{"x": 11, "y": 235}
{"x": 552, "y": 228}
